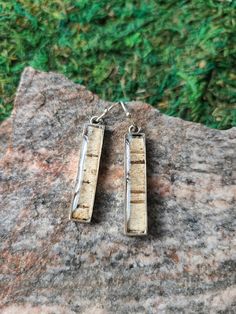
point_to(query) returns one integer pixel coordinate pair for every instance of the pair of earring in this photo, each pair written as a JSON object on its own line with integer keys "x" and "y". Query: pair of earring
{"x": 135, "y": 199}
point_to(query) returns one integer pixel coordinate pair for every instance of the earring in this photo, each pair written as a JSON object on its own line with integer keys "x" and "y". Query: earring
{"x": 135, "y": 183}
{"x": 87, "y": 175}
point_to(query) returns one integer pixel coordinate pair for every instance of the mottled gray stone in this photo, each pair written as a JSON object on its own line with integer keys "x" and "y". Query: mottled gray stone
{"x": 51, "y": 265}
{"x": 5, "y": 135}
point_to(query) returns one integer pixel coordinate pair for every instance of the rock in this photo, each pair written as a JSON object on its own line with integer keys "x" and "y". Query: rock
{"x": 52, "y": 265}
{"x": 5, "y": 135}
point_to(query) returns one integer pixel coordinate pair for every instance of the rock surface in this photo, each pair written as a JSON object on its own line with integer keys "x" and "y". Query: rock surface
{"x": 51, "y": 265}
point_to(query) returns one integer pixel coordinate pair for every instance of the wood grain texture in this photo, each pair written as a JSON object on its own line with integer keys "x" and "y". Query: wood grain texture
{"x": 186, "y": 263}
{"x": 136, "y": 185}
{"x": 86, "y": 181}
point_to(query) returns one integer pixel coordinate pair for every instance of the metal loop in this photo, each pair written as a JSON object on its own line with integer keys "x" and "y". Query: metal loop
{"x": 134, "y": 129}
{"x": 96, "y": 120}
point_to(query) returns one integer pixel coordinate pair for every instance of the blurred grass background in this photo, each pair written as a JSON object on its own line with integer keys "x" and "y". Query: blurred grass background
{"x": 178, "y": 56}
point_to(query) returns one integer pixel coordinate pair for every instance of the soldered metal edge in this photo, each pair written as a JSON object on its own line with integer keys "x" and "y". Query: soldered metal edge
{"x": 97, "y": 125}
{"x": 126, "y": 232}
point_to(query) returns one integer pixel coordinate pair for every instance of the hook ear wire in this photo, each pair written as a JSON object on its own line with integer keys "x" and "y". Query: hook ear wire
{"x": 127, "y": 113}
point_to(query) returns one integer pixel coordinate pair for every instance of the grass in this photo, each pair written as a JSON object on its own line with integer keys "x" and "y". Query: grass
{"x": 179, "y": 56}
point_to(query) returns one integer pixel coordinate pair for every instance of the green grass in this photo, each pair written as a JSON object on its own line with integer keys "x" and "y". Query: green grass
{"x": 179, "y": 56}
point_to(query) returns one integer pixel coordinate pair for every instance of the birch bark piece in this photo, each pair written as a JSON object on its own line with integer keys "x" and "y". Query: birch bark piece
{"x": 86, "y": 182}
{"x": 136, "y": 185}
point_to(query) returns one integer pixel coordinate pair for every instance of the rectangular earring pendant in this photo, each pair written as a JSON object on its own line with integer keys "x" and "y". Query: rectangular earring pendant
{"x": 86, "y": 181}
{"x": 135, "y": 185}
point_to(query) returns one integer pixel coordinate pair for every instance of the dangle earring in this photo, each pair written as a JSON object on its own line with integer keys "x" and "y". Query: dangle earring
{"x": 87, "y": 175}
{"x": 136, "y": 223}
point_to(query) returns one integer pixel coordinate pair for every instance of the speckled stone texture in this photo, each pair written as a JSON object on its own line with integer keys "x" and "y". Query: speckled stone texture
{"x": 52, "y": 265}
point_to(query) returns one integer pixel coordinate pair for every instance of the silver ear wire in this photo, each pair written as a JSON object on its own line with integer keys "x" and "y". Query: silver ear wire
{"x": 98, "y": 119}
{"x": 127, "y": 113}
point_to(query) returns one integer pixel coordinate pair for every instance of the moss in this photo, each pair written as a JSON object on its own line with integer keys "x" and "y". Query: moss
{"x": 178, "y": 56}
